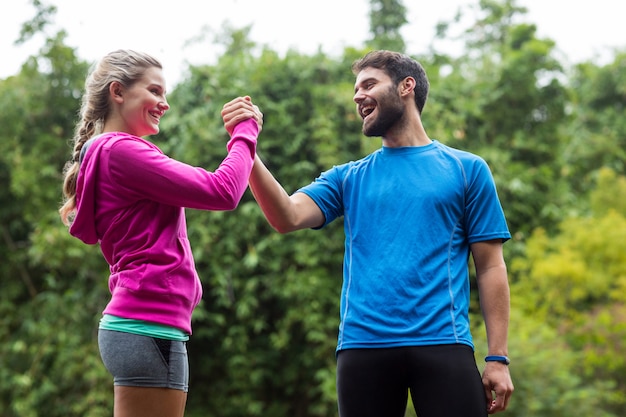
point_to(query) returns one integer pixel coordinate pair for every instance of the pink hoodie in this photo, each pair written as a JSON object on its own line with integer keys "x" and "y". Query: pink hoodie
{"x": 130, "y": 198}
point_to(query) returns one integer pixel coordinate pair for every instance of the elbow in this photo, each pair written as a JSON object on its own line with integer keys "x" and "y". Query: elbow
{"x": 283, "y": 226}
{"x": 286, "y": 223}
{"x": 283, "y": 229}
{"x": 231, "y": 202}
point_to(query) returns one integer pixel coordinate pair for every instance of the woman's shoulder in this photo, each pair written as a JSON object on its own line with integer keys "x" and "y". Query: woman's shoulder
{"x": 121, "y": 143}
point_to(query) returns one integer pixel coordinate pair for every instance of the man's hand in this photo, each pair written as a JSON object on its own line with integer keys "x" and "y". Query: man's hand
{"x": 497, "y": 381}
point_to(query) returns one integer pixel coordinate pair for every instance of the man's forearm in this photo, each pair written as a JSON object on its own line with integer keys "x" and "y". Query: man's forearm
{"x": 271, "y": 197}
{"x": 495, "y": 305}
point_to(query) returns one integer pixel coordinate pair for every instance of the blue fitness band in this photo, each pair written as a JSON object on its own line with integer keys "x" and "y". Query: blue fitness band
{"x": 497, "y": 358}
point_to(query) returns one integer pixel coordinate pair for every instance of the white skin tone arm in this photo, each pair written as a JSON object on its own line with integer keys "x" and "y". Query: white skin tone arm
{"x": 284, "y": 213}
{"x": 287, "y": 213}
{"x": 493, "y": 290}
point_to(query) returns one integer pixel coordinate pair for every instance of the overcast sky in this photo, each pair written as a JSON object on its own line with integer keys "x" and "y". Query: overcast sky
{"x": 582, "y": 29}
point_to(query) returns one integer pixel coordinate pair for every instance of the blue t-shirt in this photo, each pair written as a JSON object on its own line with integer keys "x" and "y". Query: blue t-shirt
{"x": 410, "y": 215}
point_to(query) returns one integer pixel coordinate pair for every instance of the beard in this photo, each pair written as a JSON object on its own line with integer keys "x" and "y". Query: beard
{"x": 390, "y": 110}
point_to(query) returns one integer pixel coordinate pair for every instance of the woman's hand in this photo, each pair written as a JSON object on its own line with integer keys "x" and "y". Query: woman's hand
{"x": 238, "y": 110}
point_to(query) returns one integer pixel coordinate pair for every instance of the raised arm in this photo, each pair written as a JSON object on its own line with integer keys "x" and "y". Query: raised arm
{"x": 284, "y": 213}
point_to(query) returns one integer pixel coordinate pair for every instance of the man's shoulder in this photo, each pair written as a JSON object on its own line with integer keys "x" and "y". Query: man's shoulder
{"x": 459, "y": 154}
{"x": 355, "y": 163}
{"x": 455, "y": 151}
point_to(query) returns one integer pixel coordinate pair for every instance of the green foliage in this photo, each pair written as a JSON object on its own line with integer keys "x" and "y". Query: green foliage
{"x": 504, "y": 100}
{"x": 50, "y": 295}
{"x": 386, "y": 19}
{"x": 546, "y": 372}
{"x": 269, "y": 314}
{"x": 265, "y": 332}
{"x": 609, "y": 193}
{"x": 579, "y": 268}
{"x": 574, "y": 283}
{"x": 597, "y": 135}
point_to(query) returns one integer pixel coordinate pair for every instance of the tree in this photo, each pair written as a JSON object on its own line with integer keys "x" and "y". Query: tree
{"x": 597, "y": 134}
{"x": 574, "y": 283}
{"x": 269, "y": 314}
{"x": 386, "y": 19}
{"x": 265, "y": 332}
{"x": 503, "y": 99}
{"x": 51, "y": 295}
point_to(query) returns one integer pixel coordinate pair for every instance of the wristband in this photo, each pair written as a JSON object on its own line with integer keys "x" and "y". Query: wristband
{"x": 497, "y": 358}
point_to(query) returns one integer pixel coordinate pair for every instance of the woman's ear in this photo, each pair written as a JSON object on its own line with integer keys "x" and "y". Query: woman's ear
{"x": 115, "y": 91}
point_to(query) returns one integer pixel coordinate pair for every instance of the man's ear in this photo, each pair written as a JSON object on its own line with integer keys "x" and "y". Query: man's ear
{"x": 407, "y": 86}
{"x": 116, "y": 91}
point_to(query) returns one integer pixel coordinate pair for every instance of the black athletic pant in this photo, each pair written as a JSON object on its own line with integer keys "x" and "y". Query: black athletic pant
{"x": 443, "y": 379}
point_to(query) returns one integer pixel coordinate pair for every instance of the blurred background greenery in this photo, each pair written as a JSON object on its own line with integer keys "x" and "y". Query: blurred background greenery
{"x": 265, "y": 332}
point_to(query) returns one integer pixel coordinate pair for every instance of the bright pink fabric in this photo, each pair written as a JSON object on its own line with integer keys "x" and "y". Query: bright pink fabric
{"x": 131, "y": 199}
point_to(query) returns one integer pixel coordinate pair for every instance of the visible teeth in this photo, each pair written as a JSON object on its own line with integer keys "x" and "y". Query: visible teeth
{"x": 367, "y": 110}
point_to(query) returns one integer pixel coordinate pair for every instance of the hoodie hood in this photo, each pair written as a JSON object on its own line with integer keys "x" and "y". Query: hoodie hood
{"x": 84, "y": 225}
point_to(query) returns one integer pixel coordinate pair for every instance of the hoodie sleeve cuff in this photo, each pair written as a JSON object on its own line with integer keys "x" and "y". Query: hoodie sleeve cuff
{"x": 246, "y": 131}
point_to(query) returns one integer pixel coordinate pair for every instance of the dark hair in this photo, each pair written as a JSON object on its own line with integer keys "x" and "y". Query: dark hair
{"x": 124, "y": 66}
{"x": 397, "y": 66}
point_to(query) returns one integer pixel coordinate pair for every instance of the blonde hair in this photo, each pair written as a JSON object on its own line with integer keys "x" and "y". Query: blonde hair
{"x": 124, "y": 66}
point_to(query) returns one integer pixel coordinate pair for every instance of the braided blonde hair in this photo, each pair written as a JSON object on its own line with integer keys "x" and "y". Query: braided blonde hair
{"x": 124, "y": 66}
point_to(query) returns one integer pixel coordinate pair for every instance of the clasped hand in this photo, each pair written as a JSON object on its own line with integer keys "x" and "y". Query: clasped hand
{"x": 238, "y": 110}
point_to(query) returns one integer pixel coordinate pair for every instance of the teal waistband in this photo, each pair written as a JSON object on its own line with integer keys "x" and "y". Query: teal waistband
{"x": 143, "y": 328}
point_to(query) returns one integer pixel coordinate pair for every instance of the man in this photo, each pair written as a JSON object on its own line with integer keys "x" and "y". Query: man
{"x": 413, "y": 212}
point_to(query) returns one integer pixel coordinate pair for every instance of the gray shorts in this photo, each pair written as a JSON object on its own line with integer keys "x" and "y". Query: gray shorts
{"x": 143, "y": 361}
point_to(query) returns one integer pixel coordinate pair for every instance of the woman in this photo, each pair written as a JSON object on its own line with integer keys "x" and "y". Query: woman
{"x": 122, "y": 192}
